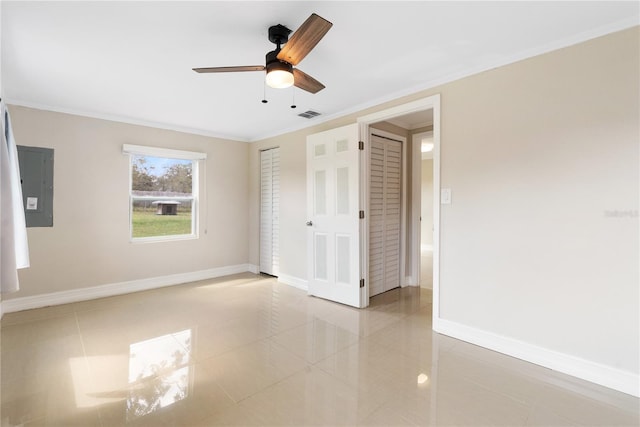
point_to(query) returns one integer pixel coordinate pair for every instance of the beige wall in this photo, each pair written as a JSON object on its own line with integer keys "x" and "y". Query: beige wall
{"x": 537, "y": 154}
{"x": 89, "y": 242}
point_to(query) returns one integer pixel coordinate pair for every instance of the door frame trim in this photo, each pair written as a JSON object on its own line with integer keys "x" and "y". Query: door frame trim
{"x": 364, "y": 122}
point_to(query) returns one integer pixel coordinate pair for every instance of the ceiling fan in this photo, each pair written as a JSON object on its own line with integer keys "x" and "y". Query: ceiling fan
{"x": 280, "y": 62}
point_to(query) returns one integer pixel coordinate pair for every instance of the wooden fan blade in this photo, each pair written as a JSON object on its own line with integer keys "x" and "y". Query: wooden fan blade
{"x": 304, "y": 81}
{"x": 229, "y": 69}
{"x": 304, "y": 39}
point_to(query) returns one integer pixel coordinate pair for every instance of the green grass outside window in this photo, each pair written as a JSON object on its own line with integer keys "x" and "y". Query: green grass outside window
{"x": 148, "y": 224}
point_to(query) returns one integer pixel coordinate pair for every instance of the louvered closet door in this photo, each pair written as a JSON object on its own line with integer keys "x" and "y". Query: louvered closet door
{"x": 269, "y": 210}
{"x": 384, "y": 215}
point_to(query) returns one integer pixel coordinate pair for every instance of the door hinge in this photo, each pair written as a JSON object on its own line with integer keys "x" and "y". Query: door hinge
{"x": 360, "y": 145}
{"x": 361, "y": 215}
{"x": 362, "y": 283}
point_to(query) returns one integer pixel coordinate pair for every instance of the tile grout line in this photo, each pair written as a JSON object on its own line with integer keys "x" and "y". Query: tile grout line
{"x": 84, "y": 351}
{"x": 84, "y": 354}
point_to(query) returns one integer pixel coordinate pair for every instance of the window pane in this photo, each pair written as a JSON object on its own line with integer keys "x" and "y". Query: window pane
{"x": 151, "y": 176}
{"x": 162, "y": 196}
{"x": 161, "y": 218}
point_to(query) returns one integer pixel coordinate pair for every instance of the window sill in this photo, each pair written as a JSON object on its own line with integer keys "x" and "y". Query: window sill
{"x": 156, "y": 239}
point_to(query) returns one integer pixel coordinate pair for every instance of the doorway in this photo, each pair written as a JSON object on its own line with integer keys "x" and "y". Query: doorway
{"x": 426, "y": 106}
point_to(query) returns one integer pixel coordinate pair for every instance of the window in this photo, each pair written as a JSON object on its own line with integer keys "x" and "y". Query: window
{"x": 163, "y": 193}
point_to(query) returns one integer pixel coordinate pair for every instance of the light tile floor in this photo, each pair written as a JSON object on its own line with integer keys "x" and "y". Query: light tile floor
{"x": 246, "y": 350}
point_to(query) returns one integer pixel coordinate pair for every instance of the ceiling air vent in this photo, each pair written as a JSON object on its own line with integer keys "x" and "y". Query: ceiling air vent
{"x": 309, "y": 114}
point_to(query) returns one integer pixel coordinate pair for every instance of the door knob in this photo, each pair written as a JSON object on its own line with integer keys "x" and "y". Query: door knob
{"x": 309, "y": 223}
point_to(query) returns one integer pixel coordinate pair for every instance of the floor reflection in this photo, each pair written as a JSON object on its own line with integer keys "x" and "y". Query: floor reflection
{"x": 251, "y": 351}
{"x": 158, "y": 373}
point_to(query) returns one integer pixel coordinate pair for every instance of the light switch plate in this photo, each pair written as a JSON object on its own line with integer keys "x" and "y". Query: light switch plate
{"x": 445, "y": 196}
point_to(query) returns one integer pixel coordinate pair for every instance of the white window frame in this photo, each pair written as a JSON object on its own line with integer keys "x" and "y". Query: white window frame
{"x": 142, "y": 150}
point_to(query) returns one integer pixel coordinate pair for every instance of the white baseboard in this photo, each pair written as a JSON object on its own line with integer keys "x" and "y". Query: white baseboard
{"x": 296, "y": 282}
{"x": 626, "y": 382}
{"x": 112, "y": 289}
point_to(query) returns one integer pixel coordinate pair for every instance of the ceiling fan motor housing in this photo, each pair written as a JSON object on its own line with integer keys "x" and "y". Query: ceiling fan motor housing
{"x": 279, "y": 34}
{"x": 273, "y": 63}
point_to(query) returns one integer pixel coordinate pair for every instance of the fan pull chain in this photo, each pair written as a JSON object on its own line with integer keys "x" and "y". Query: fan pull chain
{"x": 264, "y": 92}
{"x": 293, "y": 96}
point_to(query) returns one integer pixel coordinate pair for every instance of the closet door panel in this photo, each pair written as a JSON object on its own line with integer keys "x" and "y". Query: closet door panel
{"x": 376, "y": 219}
{"x": 384, "y": 214}
{"x": 393, "y": 204}
{"x": 269, "y": 211}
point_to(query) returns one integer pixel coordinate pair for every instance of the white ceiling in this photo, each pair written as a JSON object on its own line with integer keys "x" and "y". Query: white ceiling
{"x": 131, "y": 61}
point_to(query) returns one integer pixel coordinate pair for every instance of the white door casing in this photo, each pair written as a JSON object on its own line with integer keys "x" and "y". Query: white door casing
{"x": 333, "y": 205}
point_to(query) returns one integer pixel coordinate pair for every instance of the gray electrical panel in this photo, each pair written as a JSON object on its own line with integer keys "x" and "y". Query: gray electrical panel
{"x": 36, "y": 176}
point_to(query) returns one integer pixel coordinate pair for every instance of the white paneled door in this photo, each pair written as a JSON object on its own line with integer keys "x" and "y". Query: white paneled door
{"x": 333, "y": 226}
{"x": 269, "y": 211}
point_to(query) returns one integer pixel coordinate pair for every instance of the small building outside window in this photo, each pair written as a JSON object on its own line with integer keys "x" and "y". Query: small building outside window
{"x": 166, "y": 207}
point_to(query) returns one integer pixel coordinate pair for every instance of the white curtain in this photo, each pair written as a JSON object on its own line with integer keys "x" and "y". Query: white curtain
{"x": 14, "y": 250}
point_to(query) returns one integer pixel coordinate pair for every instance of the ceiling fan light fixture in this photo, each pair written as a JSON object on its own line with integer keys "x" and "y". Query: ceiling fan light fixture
{"x": 279, "y": 79}
{"x": 279, "y": 75}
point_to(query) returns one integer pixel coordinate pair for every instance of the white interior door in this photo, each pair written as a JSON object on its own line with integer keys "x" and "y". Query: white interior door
{"x": 269, "y": 211}
{"x": 333, "y": 205}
